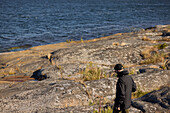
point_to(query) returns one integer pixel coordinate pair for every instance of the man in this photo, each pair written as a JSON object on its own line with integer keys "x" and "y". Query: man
{"x": 124, "y": 87}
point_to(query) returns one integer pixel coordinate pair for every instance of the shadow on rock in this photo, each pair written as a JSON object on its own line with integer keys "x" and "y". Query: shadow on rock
{"x": 138, "y": 106}
{"x": 158, "y": 99}
{"x": 37, "y": 75}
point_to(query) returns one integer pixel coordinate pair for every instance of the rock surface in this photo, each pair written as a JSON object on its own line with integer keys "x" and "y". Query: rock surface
{"x": 155, "y": 101}
{"x": 61, "y": 68}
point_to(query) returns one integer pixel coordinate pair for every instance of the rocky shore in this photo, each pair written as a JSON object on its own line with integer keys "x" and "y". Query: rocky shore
{"x": 78, "y": 76}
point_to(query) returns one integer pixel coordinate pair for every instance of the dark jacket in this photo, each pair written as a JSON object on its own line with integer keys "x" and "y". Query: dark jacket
{"x": 125, "y": 86}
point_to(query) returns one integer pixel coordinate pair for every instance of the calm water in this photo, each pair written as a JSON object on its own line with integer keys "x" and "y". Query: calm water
{"x": 27, "y": 23}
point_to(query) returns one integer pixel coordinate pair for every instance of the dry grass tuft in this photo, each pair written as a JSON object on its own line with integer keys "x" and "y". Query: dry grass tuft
{"x": 157, "y": 40}
{"x": 115, "y": 43}
{"x": 123, "y": 44}
{"x": 146, "y": 53}
{"x": 12, "y": 71}
{"x": 92, "y": 72}
{"x": 138, "y": 94}
{"x": 146, "y": 38}
{"x": 159, "y": 57}
{"x": 152, "y": 55}
{"x": 164, "y": 39}
{"x": 161, "y": 46}
{"x": 105, "y": 110}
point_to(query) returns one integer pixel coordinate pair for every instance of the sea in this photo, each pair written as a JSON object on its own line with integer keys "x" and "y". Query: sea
{"x": 28, "y": 23}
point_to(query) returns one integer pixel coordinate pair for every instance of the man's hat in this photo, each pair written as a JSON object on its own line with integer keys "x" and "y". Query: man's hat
{"x": 118, "y": 67}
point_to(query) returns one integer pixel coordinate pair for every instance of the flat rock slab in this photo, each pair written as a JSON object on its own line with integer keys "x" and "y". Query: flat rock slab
{"x": 65, "y": 91}
{"x": 50, "y": 95}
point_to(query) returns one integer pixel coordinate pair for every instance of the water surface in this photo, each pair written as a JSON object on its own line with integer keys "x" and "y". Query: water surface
{"x": 27, "y": 23}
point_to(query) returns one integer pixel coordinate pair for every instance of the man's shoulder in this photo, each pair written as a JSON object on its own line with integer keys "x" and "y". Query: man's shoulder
{"x": 126, "y": 78}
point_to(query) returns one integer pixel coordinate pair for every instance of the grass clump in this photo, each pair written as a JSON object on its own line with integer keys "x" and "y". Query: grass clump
{"x": 146, "y": 53}
{"x": 92, "y": 72}
{"x": 138, "y": 94}
{"x": 69, "y": 41}
{"x": 132, "y": 71}
{"x": 164, "y": 39}
{"x": 108, "y": 110}
{"x": 168, "y": 26}
{"x": 161, "y": 46}
{"x": 159, "y": 57}
{"x": 91, "y": 103}
{"x": 152, "y": 55}
{"x": 81, "y": 40}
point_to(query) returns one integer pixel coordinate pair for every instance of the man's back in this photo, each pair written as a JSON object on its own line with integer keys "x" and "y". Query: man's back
{"x": 125, "y": 86}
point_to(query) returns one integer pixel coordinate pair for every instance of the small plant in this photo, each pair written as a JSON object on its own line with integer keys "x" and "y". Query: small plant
{"x": 12, "y": 71}
{"x": 91, "y": 103}
{"x": 81, "y": 39}
{"x": 92, "y": 72}
{"x": 138, "y": 94}
{"x": 69, "y": 41}
{"x": 69, "y": 75}
{"x": 146, "y": 53}
{"x": 132, "y": 72}
{"x": 95, "y": 111}
{"x": 161, "y": 46}
{"x": 165, "y": 64}
{"x": 102, "y": 101}
{"x": 108, "y": 110}
{"x": 152, "y": 55}
{"x": 159, "y": 57}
